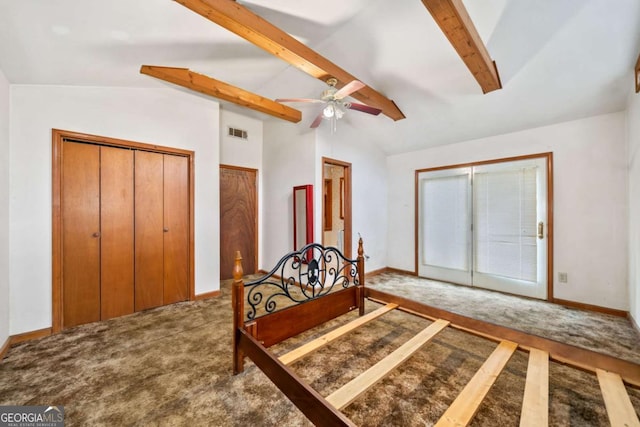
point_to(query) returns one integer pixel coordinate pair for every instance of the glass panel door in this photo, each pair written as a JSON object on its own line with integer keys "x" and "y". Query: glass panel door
{"x": 485, "y": 226}
{"x": 445, "y": 212}
{"x": 509, "y": 213}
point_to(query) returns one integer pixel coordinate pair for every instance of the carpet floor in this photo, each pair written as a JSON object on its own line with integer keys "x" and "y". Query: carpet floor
{"x": 172, "y": 365}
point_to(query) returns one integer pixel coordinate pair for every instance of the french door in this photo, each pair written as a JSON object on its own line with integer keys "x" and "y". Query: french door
{"x": 485, "y": 225}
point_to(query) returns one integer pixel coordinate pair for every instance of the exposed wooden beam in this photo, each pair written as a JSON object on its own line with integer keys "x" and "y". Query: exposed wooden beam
{"x": 212, "y": 87}
{"x": 251, "y": 27}
{"x": 453, "y": 19}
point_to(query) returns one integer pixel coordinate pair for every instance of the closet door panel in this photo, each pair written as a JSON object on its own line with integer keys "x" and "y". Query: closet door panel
{"x": 117, "y": 246}
{"x": 149, "y": 249}
{"x": 81, "y": 233}
{"x": 176, "y": 229}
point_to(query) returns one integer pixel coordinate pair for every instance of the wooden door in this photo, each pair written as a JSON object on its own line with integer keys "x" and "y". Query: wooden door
{"x": 116, "y": 229}
{"x": 111, "y": 204}
{"x": 238, "y": 219}
{"x": 149, "y": 245}
{"x": 176, "y": 229}
{"x": 80, "y": 233}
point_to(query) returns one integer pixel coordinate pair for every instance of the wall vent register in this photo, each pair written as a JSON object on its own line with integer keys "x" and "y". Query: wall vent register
{"x": 238, "y": 133}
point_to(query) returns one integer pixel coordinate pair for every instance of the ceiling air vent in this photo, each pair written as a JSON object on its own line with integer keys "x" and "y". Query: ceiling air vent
{"x": 238, "y": 133}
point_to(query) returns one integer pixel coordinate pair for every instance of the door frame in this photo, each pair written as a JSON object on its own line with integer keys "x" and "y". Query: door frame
{"x": 256, "y": 213}
{"x": 548, "y": 157}
{"x": 347, "y": 202}
{"x": 58, "y": 137}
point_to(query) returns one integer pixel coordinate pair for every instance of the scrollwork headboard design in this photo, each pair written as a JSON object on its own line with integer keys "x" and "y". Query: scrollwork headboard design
{"x": 298, "y": 277}
{"x": 305, "y": 289}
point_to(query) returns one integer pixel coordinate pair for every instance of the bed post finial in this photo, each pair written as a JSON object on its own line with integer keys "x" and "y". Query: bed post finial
{"x": 361, "y": 276}
{"x": 237, "y": 267}
{"x": 237, "y": 303}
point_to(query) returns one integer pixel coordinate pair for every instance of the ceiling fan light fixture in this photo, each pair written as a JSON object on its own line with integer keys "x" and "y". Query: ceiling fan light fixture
{"x": 335, "y": 107}
{"x": 329, "y": 111}
{"x": 334, "y": 110}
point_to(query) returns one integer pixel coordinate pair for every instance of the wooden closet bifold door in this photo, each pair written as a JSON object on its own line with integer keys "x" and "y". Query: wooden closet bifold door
{"x": 122, "y": 227}
{"x": 81, "y": 233}
{"x": 149, "y": 226}
{"x": 116, "y": 222}
{"x": 176, "y": 229}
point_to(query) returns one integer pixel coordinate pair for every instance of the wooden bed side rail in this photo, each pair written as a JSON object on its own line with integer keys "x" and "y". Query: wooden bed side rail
{"x": 310, "y": 402}
{"x": 578, "y": 357}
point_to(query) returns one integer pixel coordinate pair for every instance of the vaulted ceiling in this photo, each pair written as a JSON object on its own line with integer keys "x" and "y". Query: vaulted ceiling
{"x": 557, "y": 60}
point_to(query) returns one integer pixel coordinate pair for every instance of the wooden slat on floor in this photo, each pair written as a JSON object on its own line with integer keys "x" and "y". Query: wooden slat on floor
{"x": 350, "y": 391}
{"x": 535, "y": 405}
{"x": 616, "y": 399}
{"x": 468, "y": 401}
{"x": 307, "y": 348}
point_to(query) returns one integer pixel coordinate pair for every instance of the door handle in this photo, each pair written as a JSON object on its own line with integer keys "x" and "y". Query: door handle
{"x": 541, "y": 230}
{"x": 96, "y": 234}
{"x": 166, "y": 229}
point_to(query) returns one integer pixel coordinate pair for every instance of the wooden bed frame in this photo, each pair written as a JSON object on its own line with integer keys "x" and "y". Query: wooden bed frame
{"x": 317, "y": 284}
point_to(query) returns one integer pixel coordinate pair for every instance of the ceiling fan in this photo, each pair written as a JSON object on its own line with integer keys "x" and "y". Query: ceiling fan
{"x": 334, "y": 104}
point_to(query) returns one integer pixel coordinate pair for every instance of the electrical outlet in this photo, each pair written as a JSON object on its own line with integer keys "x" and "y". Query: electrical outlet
{"x": 563, "y": 277}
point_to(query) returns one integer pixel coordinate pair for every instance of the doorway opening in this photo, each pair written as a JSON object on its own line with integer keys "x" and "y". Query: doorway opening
{"x": 336, "y": 205}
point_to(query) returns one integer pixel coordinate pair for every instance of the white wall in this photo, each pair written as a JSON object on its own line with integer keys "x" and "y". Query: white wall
{"x": 293, "y": 156}
{"x": 244, "y": 153}
{"x": 236, "y": 151}
{"x": 160, "y": 116}
{"x": 633, "y": 128}
{"x": 4, "y": 208}
{"x": 289, "y": 161}
{"x": 369, "y": 189}
{"x": 590, "y": 201}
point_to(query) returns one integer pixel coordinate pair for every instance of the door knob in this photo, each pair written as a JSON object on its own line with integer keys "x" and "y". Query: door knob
{"x": 96, "y": 234}
{"x": 166, "y": 229}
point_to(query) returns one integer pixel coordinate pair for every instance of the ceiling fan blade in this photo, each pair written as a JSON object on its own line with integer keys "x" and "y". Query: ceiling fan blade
{"x": 317, "y": 121}
{"x": 298, "y": 100}
{"x": 364, "y": 108}
{"x": 349, "y": 88}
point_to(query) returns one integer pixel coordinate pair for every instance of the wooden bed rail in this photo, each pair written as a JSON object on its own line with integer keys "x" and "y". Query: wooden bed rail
{"x": 310, "y": 402}
{"x": 326, "y": 410}
{"x": 577, "y": 357}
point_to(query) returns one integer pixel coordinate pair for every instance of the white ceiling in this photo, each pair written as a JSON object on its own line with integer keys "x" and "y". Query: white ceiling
{"x": 558, "y": 59}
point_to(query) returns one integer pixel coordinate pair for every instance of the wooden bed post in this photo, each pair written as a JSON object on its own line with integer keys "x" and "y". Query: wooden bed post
{"x": 361, "y": 277}
{"x": 237, "y": 305}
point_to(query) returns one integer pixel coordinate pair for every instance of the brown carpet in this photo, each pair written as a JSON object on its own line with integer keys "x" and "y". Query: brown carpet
{"x": 171, "y": 366}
